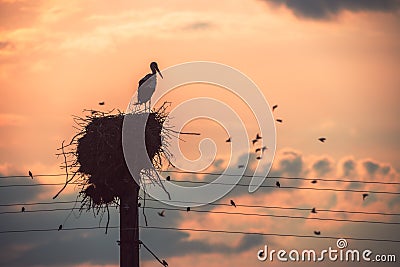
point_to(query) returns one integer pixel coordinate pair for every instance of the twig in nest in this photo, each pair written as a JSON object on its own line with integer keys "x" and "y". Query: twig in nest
{"x": 66, "y": 171}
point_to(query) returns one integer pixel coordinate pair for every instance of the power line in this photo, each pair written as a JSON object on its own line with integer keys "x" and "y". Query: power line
{"x": 211, "y": 204}
{"x": 217, "y": 212}
{"x": 163, "y": 262}
{"x": 285, "y": 177}
{"x": 44, "y": 184}
{"x": 195, "y": 230}
{"x": 27, "y": 176}
{"x": 265, "y": 234}
{"x": 278, "y": 207}
{"x": 277, "y": 216}
{"x": 38, "y": 203}
{"x": 292, "y": 187}
{"x": 227, "y": 184}
{"x": 233, "y": 175}
{"x": 40, "y": 210}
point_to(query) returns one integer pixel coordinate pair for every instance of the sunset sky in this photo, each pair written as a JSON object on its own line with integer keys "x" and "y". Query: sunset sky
{"x": 331, "y": 66}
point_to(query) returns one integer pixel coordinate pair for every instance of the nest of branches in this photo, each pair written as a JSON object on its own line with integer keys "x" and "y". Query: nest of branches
{"x": 95, "y": 156}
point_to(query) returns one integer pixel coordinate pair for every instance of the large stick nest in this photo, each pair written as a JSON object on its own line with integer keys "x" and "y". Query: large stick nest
{"x": 98, "y": 163}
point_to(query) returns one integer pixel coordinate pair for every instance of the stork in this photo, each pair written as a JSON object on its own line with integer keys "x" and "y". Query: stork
{"x": 147, "y": 85}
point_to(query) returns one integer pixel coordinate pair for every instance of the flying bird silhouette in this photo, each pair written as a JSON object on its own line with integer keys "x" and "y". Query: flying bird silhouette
{"x": 23, "y": 209}
{"x": 314, "y": 181}
{"x": 364, "y": 196}
{"x": 162, "y": 213}
{"x": 258, "y": 149}
{"x": 164, "y": 263}
{"x": 317, "y": 232}
{"x": 254, "y": 141}
{"x": 146, "y": 89}
{"x": 274, "y": 107}
{"x": 278, "y": 184}
{"x": 228, "y": 140}
{"x": 118, "y": 242}
{"x": 168, "y": 178}
{"x": 101, "y": 103}
{"x": 279, "y": 120}
{"x": 187, "y": 209}
{"x": 59, "y": 227}
{"x": 259, "y": 157}
{"x": 240, "y": 166}
{"x": 258, "y": 137}
{"x": 30, "y": 174}
{"x": 322, "y": 139}
{"x": 313, "y": 210}
{"x": 233, "y": 203}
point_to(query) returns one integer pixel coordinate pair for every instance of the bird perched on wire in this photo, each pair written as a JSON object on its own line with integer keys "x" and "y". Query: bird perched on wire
{"x": 30, "y": 174}
{"x": 233, "y": 203}
{"x": 164, "y": 263}
{"x": 59, "y": 227}
{"x": 23, "y": 209}
{"x": 278, "y": 184}
{"x": 317, "y": 232}
{"x": 313, "y": 210}
{"x": 147, "y": 85}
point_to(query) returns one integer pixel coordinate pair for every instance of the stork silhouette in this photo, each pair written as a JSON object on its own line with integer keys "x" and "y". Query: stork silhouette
{"x": 147, "y": 86}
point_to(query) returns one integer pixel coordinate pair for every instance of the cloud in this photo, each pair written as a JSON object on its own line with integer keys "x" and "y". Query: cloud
{"x": 322, "y": 166}
{"x": 348, "y": 166}
{"x": 71, "y": 248}
{"x": 289, "y": 163}
{"x": 325, "y": 9}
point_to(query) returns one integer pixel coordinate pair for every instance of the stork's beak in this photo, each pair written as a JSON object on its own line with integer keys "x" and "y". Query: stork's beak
{"x": 159, "y": 72}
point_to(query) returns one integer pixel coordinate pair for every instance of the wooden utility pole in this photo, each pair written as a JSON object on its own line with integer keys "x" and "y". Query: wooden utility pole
{"x": 129, "y": 225}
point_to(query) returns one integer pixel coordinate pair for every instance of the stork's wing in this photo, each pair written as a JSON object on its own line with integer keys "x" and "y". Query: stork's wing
{"x": 145, "y": 78}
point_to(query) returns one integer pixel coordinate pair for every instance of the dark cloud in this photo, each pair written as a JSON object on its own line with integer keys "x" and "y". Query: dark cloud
{"x": 178, "y": 244}
{"x": 348, "y": 167}
{"x": 325, "y": 9}
{"x": 291, "y": 163}
{"x": 322, "y": 166}
{"x": 19, "y": 194}
{"x": 371, "y": 167}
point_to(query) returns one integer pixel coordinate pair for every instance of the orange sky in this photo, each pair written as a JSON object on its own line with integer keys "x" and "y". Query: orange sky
{"x": 336, "y": 77}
